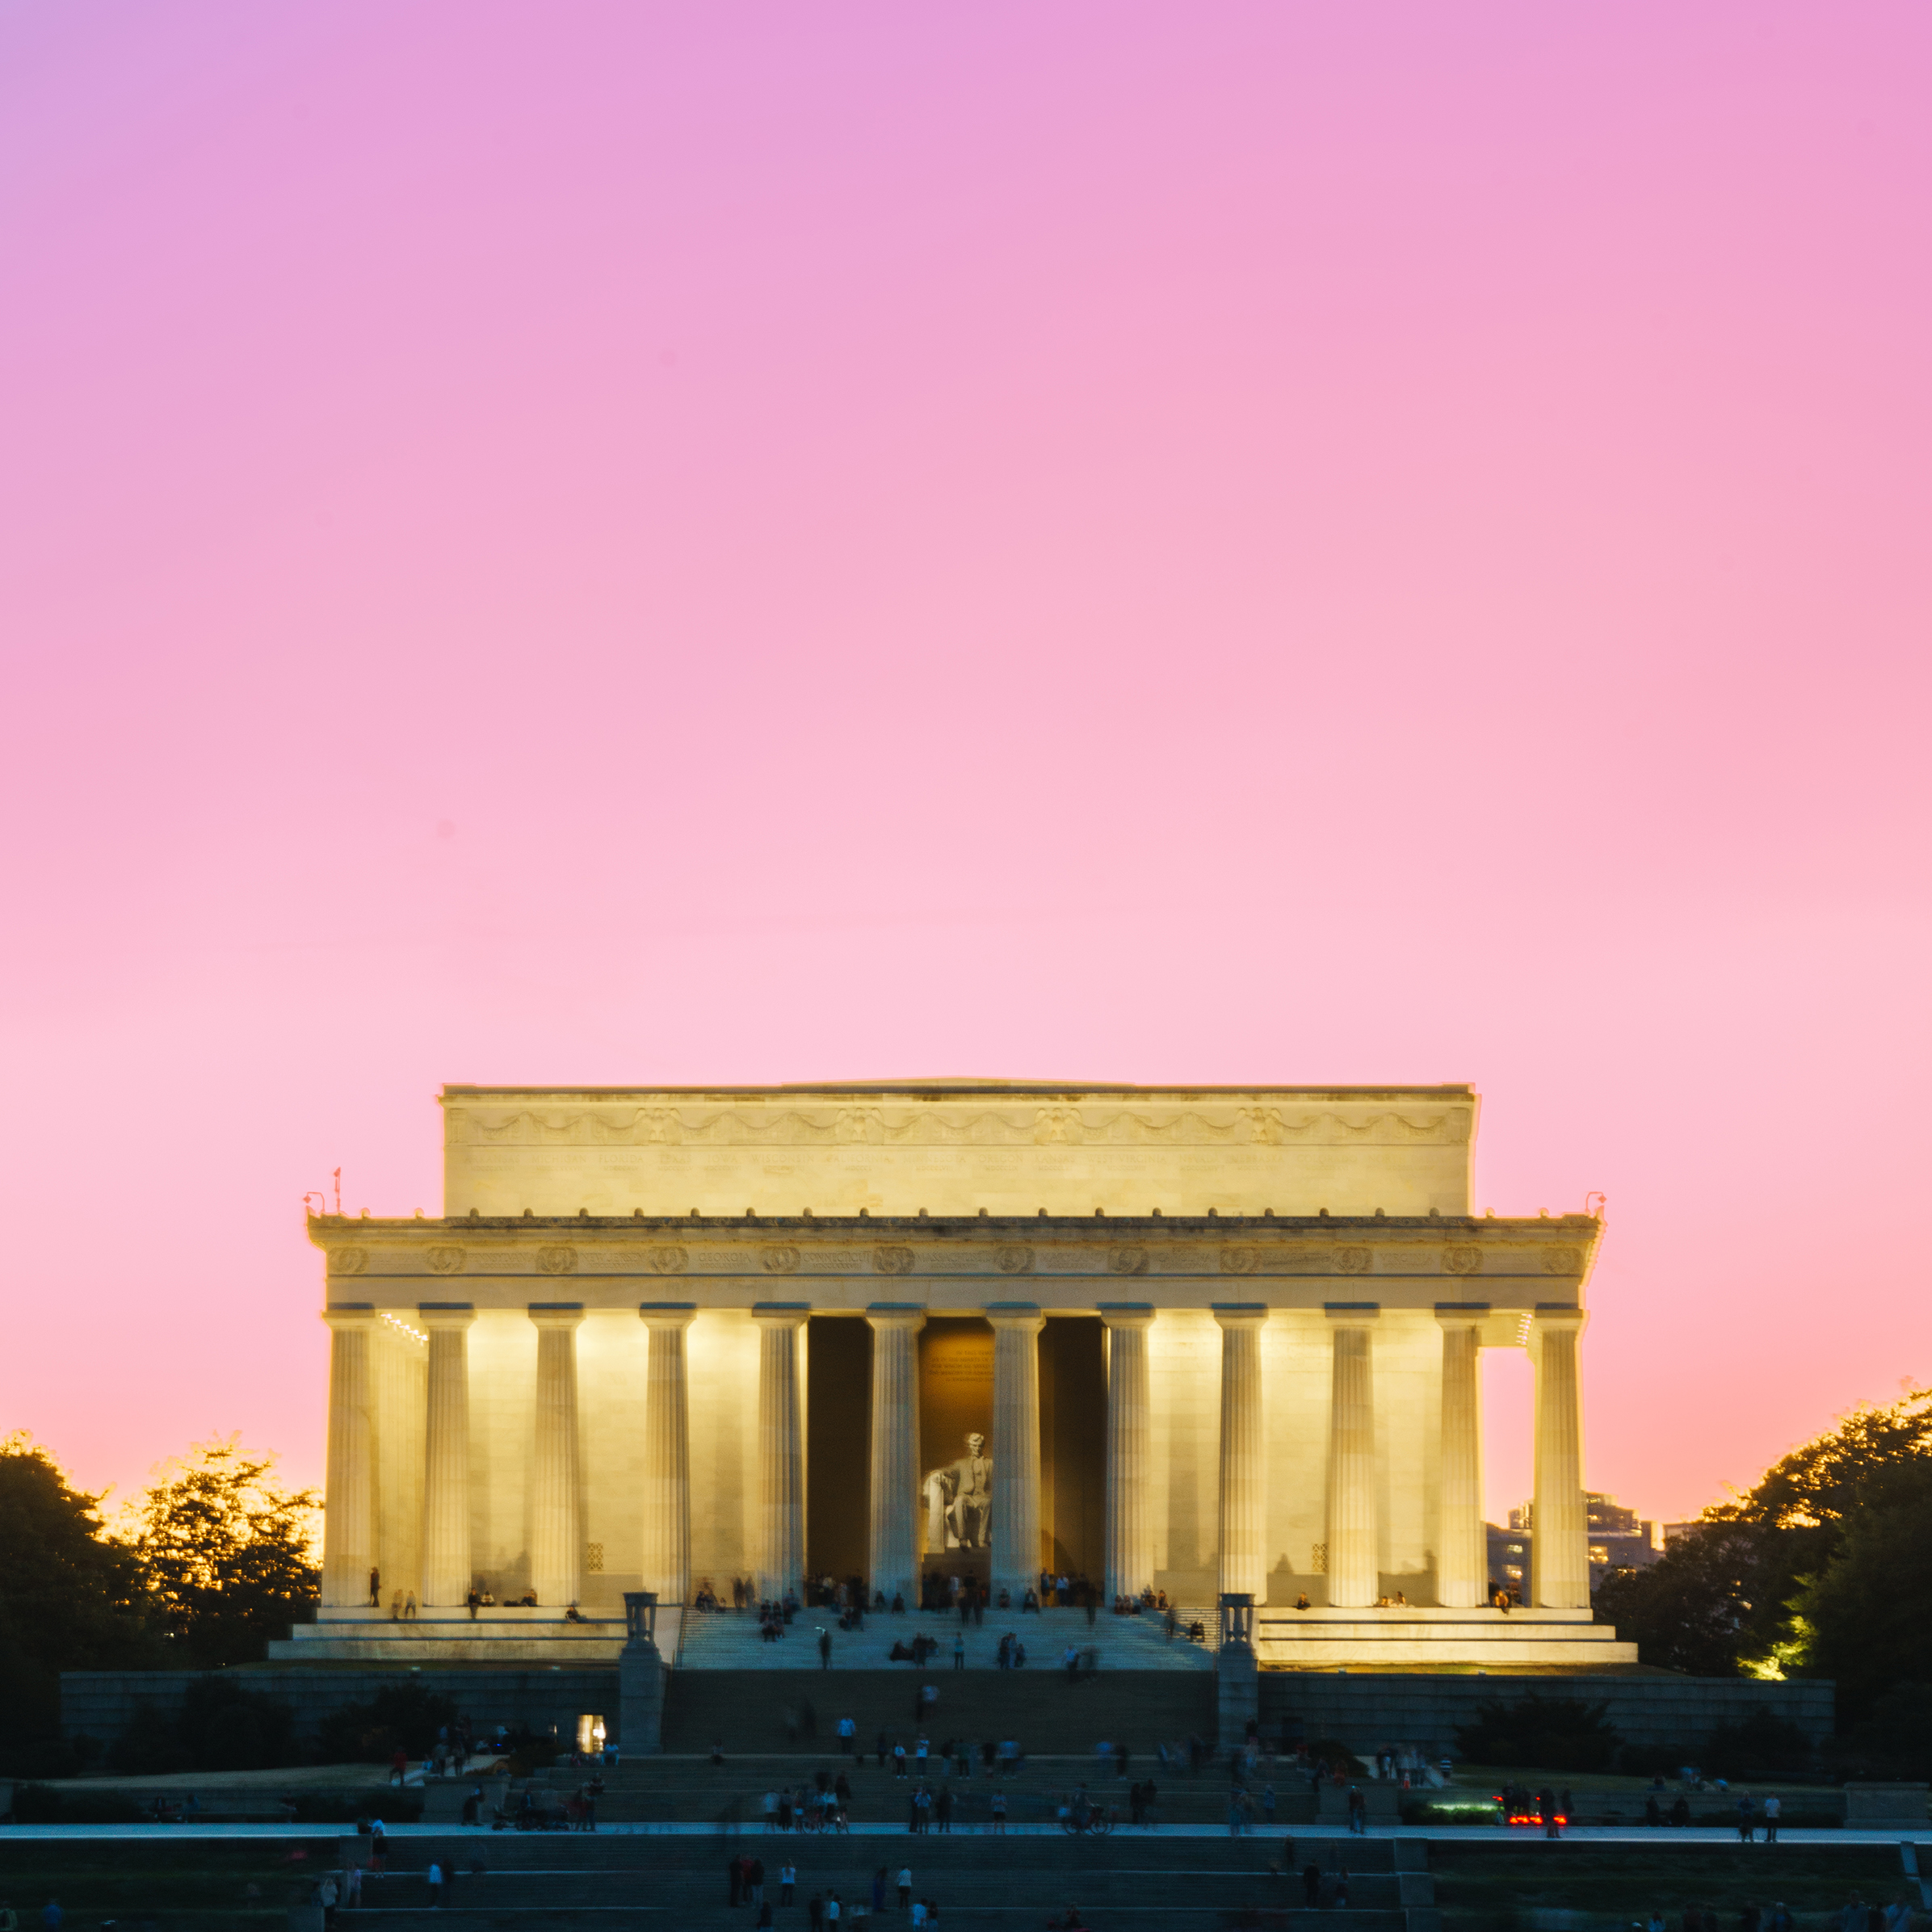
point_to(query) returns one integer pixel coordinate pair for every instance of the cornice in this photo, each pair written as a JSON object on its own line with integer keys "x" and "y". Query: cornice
{"x": 995, "y": 1247}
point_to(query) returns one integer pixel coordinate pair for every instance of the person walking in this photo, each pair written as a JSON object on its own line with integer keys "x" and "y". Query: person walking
{"x": 1774, "y": 1805}
{"x": 374, "y": 1588}
{"x": 1358, "y": 1812}
{"x": 435, "y": 1878}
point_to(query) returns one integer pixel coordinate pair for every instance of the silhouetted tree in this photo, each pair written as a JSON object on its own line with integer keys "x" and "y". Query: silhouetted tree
{"x": 224, "y": 1551}
{"x": 70, "y": 1599}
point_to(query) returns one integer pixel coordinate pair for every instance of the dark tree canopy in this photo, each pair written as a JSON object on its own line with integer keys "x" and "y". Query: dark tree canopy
{"x": 223, "y": 1552}
{"x": 1823, "y": 1568}
{"x": 70, "y": 1599}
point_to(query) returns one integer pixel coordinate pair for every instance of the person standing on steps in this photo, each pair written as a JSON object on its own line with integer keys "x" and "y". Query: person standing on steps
{"x": 959, "y": 1653}
{"x": 905, "y": 1886}
{"x": 825, "y": 1648}
{"x": 878, "y": 1889}
{"x": 833, "y": 1909}
{"x": 999, "y": 1814}
{"x": 788, "y": 1877}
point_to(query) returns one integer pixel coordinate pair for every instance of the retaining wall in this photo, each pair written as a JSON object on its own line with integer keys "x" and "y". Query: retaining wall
{"x": 1364, "y": 1711}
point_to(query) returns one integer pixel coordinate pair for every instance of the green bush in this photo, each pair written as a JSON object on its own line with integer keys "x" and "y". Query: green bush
{"x": 1542, "y": 1733}
{"x": 1762, "y": 1747}
{"x": 221, "y": 1726}
{"x": 404, "y": 1716}
{"x": 42, "y": 1804}
{"x": 1338, "y": 1756}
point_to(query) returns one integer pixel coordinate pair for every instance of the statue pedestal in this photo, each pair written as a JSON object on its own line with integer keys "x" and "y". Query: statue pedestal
{"x": 640, "y": 1676}
{"x": 1237, "y": 1700}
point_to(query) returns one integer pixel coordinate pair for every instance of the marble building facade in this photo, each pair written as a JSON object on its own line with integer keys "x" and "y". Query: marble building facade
{"x": 1215, "y": 1340}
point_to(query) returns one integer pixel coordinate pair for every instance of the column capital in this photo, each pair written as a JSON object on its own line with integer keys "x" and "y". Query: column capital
{"x": 446, "y": 1315}
{"x": 1240, "y": 1314}
{"x": 1023, "y": 1315}
{"x": 1461, "y": 1314}
{"x": 780, "y": 1314}
{"x": 896, "y": 1314}
{"x": 347, "y": 1317}
{"x": 1126, "y": 1314}
{"x": 1560, "y": 1315}
{"x": 556, "y": 1314}
{"x": 667, "y": 1314}
{"x": 1352, "y": 1314}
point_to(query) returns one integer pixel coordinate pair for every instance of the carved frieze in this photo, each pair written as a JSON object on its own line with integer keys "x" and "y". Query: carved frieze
{"x": 1014, "y": 1257}
{"x": 893, "y": 1260}
{"x": 558, "y": 1259}
{"x": 669, "y": 1258}
{"x": 445, "y": 1261}
{"x": 1240, "y": 1261}
{"x": 1353, "y": 1261}
{"x": 1097, "y": 1124}
{"x": 1463, "y": 1260}
{"x": 1562, "y": 1261}
{"x": 1127, "y": 1260}
{"x": 779, "y": 1258}
{"x": 348, "y": 1261}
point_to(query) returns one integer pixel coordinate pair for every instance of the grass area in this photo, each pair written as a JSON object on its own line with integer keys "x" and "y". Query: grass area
{"x": 1499, "y": 1887}
{"x": 239, "y": 1885}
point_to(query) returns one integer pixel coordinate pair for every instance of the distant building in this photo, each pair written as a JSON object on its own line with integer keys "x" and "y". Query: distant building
{"x": 1619, "y": 1539}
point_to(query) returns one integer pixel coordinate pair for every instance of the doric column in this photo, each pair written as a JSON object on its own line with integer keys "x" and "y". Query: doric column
{"x": 1462, "y": 1554}
{"x": 893, "y": 1549}
{"x": 1355, "y": 1575}
{"x": 1559, "y": 1523}
{"x": 446, "y": 1571}
{"x": 781, "y": 1558}
{"x": 1130, "y": 1562}
{"x": 348, "y": 1516}
{"x": 1016, "y": 1326}
{"x": 1243, "y": 1568}
{"x": 556, "y": 1535}
{"x": 666, "y": 1555}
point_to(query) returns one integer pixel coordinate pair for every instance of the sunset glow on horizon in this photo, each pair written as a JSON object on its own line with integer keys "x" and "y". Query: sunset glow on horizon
{"x": 710, "y": 545}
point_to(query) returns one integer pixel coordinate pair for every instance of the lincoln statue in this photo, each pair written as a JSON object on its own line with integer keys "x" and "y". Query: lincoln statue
{"x": 959, "y": 1500}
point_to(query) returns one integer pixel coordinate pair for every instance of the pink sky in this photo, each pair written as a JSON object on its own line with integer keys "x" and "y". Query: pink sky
{"x": 622, "y": 544}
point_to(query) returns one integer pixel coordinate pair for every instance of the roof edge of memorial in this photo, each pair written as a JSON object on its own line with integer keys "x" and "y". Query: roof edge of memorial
{"x": 950, "y": 1088}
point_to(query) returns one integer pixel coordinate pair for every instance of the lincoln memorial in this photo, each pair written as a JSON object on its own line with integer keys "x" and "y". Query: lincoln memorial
{"x": 1197, "y": 1341}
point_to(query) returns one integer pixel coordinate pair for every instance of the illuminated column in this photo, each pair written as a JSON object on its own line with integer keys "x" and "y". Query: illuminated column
{"x": 348, "y": 1523}
{"x": 399, "y": 1367}
{"x": 781, "y": 1561}
{"x": 1243, "y": 1483}
{"x": 1462, "y": 1555}
{"x": 1559, "y": 1525}
{"x": 1129, "y": 1542}
{"x": 1355, "y": 1576}
{"x": 446, "y": 1572}
{"x": 1016, "y": 1326}
{"x": 893, "y": 1547}
{"x": 556, "y": 1541}
{"x": 666, "y": 1555}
